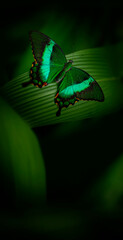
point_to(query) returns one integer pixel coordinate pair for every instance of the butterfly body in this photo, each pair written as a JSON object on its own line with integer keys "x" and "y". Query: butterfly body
{"x": 50, "y": 66}
{"x": 65, "y": 69}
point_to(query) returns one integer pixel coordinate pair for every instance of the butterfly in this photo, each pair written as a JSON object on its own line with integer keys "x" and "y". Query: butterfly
{"x": 50, "y": 65}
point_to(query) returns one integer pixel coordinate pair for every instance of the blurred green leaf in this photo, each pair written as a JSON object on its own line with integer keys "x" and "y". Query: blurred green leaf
{"x": 21, "y": 160}
{"x": 108, "y": 192}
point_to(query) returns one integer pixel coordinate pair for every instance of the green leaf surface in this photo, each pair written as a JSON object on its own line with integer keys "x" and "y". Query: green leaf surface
{"x": 21, "y": 160}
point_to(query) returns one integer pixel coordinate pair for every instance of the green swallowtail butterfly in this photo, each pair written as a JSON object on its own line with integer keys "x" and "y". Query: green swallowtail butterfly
{"x": 50, "y": 66}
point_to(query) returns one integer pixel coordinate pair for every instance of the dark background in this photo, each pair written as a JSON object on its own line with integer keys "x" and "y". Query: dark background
{"x": 83, "y": 159}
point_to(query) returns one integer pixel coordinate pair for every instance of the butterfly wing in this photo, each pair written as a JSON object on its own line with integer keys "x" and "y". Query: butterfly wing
{"x": 77, "y": 85}
{"x": 48, "y": 55}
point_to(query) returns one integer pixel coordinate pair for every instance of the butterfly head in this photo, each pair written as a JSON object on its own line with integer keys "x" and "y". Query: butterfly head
{"x": 70, "y": 61}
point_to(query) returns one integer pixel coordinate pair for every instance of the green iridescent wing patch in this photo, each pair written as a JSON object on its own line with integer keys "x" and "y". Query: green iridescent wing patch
{"x": 49, "y": 59}
{"x": 77, "y": 85}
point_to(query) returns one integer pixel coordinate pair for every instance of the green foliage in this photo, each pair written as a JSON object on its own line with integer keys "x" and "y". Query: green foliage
{"x": 83, "y": 157}
{"x": 109, "y": 189}
{"x": 21, "y": 160}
